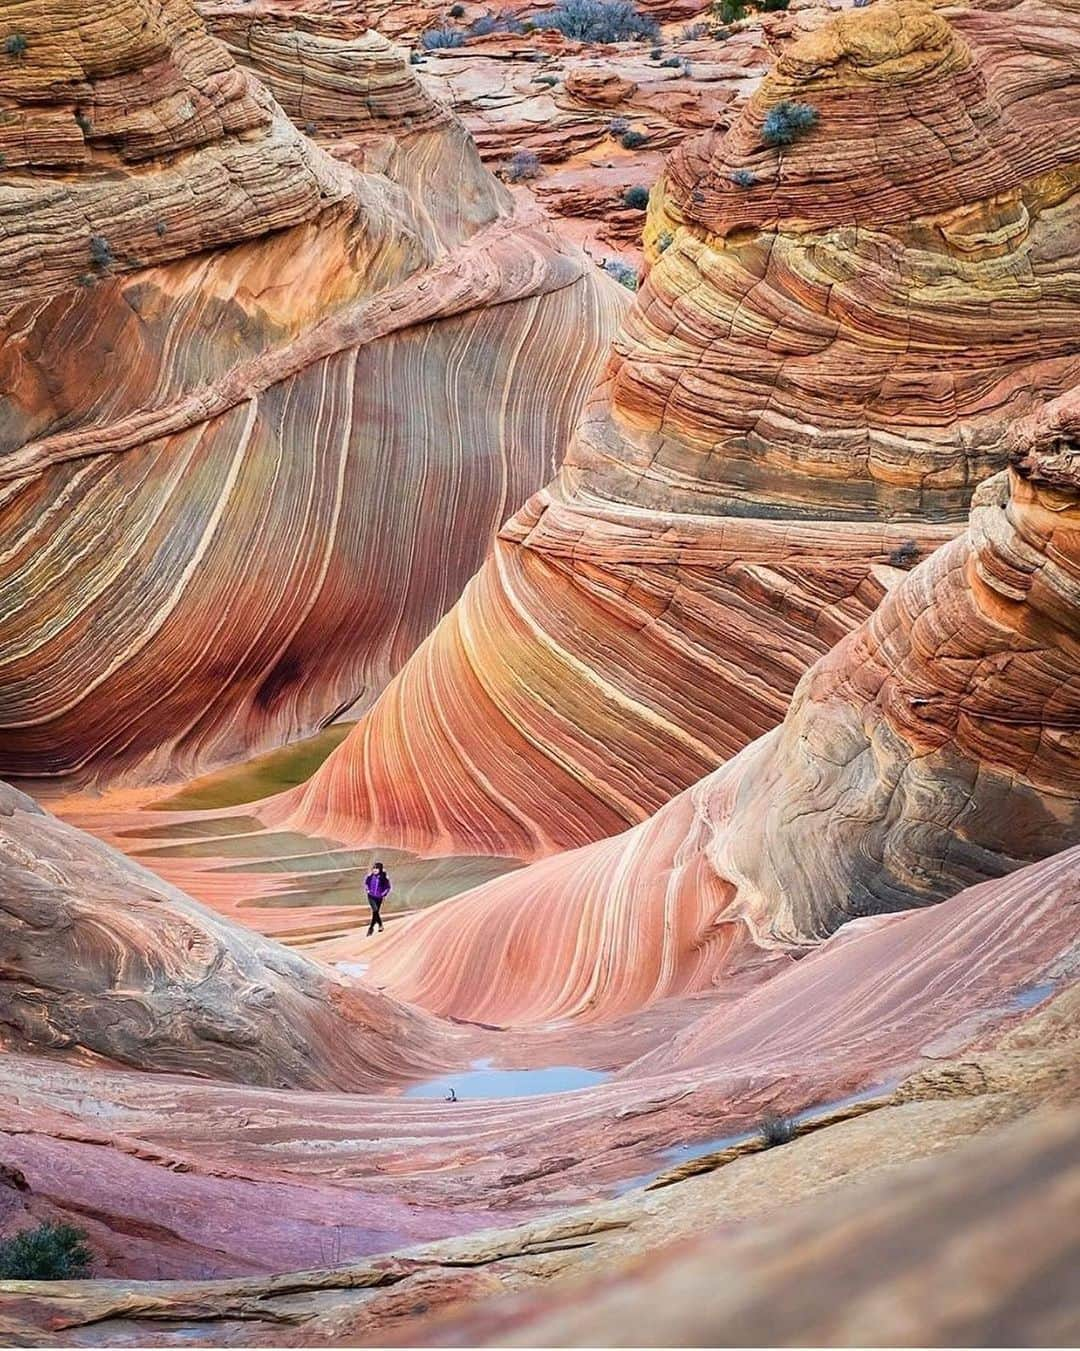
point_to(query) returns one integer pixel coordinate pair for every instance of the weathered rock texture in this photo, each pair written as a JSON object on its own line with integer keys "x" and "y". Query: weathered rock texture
{"x": 102, "y": 961}
{"x": 819, "y": 370}
{"x": 934, "y": 746}
{"x": 263, "y": 410}
{"x": 125, "y": 1150}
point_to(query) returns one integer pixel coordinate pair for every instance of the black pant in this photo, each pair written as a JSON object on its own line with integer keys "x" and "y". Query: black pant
{"x": 376, "y": 905}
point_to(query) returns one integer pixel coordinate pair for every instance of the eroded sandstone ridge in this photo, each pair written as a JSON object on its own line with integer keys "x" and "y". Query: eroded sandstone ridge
{"x": 105, "y": 963}
{"x": 263, "y": 409}
{"x": 934, "y": 746}
{"x": 834, "y": 338}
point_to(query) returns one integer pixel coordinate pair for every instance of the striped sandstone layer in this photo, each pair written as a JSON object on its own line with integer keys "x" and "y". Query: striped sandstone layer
{"x": 241, "y": 442}
{"x": 933, "y": 747}
{"x": 160, "y": 1162}
{"x": 104, "y": 963}
{"x": 819, "y": 370}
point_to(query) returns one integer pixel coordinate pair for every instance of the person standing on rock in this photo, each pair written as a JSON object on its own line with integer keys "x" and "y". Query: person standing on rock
{"x": 378, "y": 888}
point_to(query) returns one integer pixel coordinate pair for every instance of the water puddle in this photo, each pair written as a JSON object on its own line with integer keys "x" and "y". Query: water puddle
{"x": 1030, "y": 995}
{"x": 481, "y": 1081}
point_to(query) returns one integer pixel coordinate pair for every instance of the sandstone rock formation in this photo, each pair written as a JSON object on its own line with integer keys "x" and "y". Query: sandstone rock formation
{"x": 934, "y": 746}
{"x": 970, "y": 1056}
{"x": 103, "y": 962}
{"x": 244, "y": 463}
{"x": 826, "y": 359}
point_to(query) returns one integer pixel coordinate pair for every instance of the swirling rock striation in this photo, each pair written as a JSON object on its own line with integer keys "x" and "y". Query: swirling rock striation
{"x": 242, "y": 442}
{"x": 348, "y": 88}
{"x": 104, "y": 962}
{"x": 821, "y": 367}
{"x": 935, "y": 746}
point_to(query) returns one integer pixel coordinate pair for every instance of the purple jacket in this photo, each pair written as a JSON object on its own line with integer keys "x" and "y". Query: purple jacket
{"x": 378, "y": 885}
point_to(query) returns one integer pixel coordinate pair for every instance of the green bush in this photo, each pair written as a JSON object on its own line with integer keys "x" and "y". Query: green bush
{"x": 623, "y": 273}
{"x": 785, "y": 121}
{"x": 665, "y": 241}
{"x": 599, "y": 21}
{"x": 777, "y": 1130}
{"x": 456, "y": 11}
{"x": 101, "y": 255}
{"x": 633, "y": 140}
{"x": 637, "y": 197}
{"x": 15, "y": 45}
{"x": 743, "y": 178}
{"x": 51, "y": 1252}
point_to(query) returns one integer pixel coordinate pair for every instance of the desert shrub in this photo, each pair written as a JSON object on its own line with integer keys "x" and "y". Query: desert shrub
{"x": 694, "y": 32}
{"x": 489, "y": 23}
{"x": 776, "y": 1130}
{"x": 101, "y": 255}
{"x": 456, "y": 11}
{"x": 522, "y": 165}
{"x": 665, "y": 241}
{"x": 904, "y": 553}
{"x": 731, "y": 11}
{"x": 743, "y": 178}
{"x": 861, "y": 4}
{"x": 633, "y": 140}
{"x": 415, "y": 58}
{"x": 310, "y": 128}
{"x": 161, "y": 228}
{"x": 623, "y": 273}
{"x": 550, "y": 80}
{"x": 618, "y": 126}
{"x": 446, "y": 36}
{"x": 785, "y": 121}
{"x": 656, "y": 54}
{"x": 599, "y": 21}
{"x": 637, "y": 197}
{"x": 15, "y": 45}
{"x": 51, "y": 1252}
{"x": 672, "y": 61}
{"x": 84, "y": 124}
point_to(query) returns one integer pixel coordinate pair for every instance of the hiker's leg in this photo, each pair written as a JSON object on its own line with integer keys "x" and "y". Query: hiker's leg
{"x": 374, "y": 917}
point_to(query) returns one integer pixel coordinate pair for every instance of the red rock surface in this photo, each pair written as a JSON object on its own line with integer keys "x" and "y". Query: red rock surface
{"x": 934, "y": 746}
{"x": 106, "y": 963}
{"x": 242, "y": 382}
{"x": 819, "y": 370}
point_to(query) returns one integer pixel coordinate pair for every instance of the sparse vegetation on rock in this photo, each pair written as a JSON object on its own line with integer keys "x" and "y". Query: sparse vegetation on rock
{"x": 633, "y": 140}
{"x": 636, "y": 197}
{"x": 786, "y": 121}
{"x": 51, "y": 1252}
{"x": 623, "y": 273}
{"x": 743, "y": 178}
{"x": 101, "y": 254}
{"x": 522, "y": 166}
{"x": 446, "y": 36}
{"x": 599, "y": 21}
{"x": 15, "y": 45}
{"x": 776, "y": 1130}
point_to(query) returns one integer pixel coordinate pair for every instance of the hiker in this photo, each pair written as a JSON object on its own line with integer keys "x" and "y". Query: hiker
{"x": 378, "y": 888}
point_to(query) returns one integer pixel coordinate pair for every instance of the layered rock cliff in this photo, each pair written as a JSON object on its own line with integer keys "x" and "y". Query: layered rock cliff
{"x": 934, "y": 746}
{"x": 244, "y": 460}
{"x": 838, "y": 329}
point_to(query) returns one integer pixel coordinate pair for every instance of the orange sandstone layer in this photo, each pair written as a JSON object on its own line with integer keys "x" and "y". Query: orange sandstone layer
{"x": 244, "y": 467}
{"x": 934, "y": 746}
{"x": 820, "y": 368}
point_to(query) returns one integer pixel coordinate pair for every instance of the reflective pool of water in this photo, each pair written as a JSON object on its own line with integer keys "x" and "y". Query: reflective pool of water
{"x": 483, "y": 1082}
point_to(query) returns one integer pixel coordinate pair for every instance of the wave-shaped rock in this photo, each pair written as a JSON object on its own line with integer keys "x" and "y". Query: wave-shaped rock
{"x": 104, "y": 962}
{"x": 933, "y": 747}
{"x": 263, "y": 409}
{"x": 833, "y": 341}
